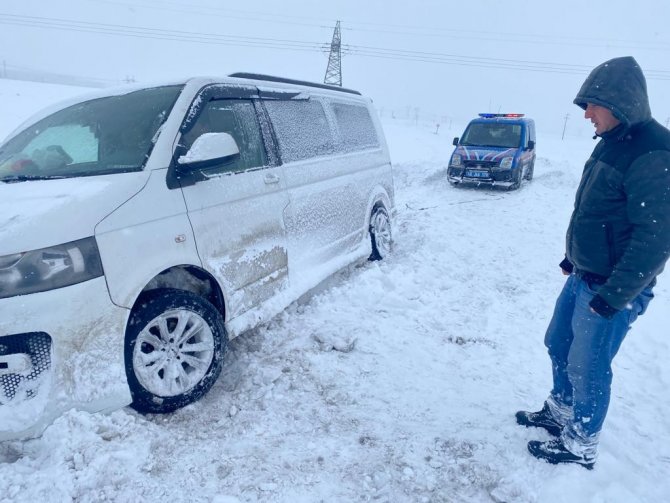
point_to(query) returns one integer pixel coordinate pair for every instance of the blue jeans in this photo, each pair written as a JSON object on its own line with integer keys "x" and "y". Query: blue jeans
{"x": 582, "y": 345}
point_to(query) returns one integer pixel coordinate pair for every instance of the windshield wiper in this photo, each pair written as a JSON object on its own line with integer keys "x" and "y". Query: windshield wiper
{"x": 26, "y": 178}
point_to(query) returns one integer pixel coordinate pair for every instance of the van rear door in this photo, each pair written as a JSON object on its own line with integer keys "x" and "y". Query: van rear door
{"x": 329, "y": 181}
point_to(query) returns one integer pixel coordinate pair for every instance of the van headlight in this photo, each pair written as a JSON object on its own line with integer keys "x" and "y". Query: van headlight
{"x": 456, "y": 160}
{"x": 506, "y": 163}
{"x": 49, "y": 268}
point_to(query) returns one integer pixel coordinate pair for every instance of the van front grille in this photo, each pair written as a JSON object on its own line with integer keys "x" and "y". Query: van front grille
{"x": 473, "y": 164}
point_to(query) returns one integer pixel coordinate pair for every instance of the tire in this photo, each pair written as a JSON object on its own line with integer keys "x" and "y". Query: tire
{"x": 516, "y": 182}
{"x": 380, "y": 233}
{"x": 529, "y": 173}
{"x": 174, "y": 347}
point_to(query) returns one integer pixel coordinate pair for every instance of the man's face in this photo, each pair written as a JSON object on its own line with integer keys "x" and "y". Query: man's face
{"x": 601, "y": 117}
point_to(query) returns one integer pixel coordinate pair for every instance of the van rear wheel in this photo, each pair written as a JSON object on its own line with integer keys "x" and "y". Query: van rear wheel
{"x": 380, "y": 233}
{"x": 175, "y": 342}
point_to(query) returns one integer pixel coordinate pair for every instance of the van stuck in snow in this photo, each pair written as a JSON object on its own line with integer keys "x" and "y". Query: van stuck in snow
{"x": 143, "y": 227}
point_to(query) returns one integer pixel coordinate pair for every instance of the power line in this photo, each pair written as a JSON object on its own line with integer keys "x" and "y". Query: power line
{"x": 155, "y": 33}
{"x": 519, "y": 38}
{"x": 480, "y": 62}
{"x": 414, "y": 31}
{"x": 210, "y": 11}
{"x": 442, "y": 57}
{"x": 295, "y": 45}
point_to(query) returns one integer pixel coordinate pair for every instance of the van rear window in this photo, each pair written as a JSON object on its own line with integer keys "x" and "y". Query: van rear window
{"x": 357, "y": 130}
{"x": 302, "y": 129}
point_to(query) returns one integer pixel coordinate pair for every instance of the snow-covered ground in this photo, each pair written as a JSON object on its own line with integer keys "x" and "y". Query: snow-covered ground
{"x": 394, "y": 381}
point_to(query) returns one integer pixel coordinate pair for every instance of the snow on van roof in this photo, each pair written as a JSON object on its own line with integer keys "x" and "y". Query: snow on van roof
{"x": 272, "y": 78}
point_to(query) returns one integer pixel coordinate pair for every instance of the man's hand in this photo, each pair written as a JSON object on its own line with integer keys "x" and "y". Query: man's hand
{"x": 566, "y": 266}
{"x": 599, "y": 306}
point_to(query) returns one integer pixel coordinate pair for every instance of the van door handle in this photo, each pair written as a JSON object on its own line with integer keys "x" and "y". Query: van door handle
{"x": 269, "y": 178}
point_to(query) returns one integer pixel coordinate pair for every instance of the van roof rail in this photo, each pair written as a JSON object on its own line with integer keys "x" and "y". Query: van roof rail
{"x": 271, "y": 78}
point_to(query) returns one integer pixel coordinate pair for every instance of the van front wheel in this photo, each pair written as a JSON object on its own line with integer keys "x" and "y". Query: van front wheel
{"x": 529, "y": 173}
{"x": 174, "y": 349}
{"x": 380, "y": 233}
{"x": 516, "y": 180}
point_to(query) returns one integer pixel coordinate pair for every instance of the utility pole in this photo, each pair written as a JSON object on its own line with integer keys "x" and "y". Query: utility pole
{"x": 334, "y": 70}
{"x": 564, "y": 125}
{"x": 667, "y": 122}
{"x": 4, "y": 68}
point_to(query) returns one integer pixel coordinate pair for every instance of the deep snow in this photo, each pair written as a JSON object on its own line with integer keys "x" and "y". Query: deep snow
{"x": 394, "y": 381}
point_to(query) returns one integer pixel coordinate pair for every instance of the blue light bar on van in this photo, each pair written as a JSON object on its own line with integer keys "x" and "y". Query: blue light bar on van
{"x": 491, "y": 116}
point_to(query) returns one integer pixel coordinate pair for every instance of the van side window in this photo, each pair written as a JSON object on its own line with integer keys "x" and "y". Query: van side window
{"x": 237, "y": 118}
{"x": 301, "y": 128}
{"x": 356, "y": 128}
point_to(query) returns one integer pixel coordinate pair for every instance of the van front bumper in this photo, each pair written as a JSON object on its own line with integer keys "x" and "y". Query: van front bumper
{"x": 60, "y": 349}
{"x": 502, "y": 178}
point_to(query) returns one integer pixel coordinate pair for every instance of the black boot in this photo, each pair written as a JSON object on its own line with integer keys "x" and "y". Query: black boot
{"x": 540, "y": 419}
{"x": 555, "y": 452}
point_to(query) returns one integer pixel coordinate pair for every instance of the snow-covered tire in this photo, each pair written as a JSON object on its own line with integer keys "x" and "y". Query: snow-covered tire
{"x": 516, "y": 181}
{"x": 380, "y": 233}
{"x": 531, "y": 168}
{"x": 174, "y": 347}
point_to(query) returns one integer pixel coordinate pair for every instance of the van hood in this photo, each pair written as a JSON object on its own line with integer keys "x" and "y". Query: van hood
{"x": 41, "y": 213}
{"x": 485, "y": 153}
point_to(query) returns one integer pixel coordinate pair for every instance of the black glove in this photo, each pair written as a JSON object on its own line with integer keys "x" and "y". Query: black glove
{"x": 566, "y": 265}
{"x": 600, "y": 306}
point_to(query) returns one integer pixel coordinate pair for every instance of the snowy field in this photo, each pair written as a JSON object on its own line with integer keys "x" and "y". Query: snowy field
{"x": 394, "y": 381}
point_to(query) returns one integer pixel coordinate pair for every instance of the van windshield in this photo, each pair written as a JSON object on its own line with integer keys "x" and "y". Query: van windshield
{"x": 107, "y": 135}
{"x": 495, "y": 134}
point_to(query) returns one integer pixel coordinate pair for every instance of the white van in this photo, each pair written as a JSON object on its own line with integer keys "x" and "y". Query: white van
{"x": 142, "y": 228}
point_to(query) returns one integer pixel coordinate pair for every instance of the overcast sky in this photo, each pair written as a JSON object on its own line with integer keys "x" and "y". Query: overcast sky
{"x": 444, "y": 61}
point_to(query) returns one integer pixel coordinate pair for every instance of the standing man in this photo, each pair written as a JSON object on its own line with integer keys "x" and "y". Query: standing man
{"x": 618, "y": 241}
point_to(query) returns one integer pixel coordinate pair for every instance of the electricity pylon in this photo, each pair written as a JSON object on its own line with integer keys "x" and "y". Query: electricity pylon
{"x": 334, "y": 70}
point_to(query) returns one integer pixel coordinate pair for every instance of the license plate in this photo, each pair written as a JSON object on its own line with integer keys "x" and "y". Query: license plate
{"x": 476, "y": 173}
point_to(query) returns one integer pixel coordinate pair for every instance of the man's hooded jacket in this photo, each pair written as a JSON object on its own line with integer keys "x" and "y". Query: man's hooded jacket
{"x": 620, "y": 227}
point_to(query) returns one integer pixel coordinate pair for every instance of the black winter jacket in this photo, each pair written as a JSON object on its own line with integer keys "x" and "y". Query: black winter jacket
{"x": 620, "y": 226}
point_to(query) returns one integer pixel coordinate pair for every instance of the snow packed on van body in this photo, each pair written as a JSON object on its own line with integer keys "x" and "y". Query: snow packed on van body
{"x": 392, "y": 381}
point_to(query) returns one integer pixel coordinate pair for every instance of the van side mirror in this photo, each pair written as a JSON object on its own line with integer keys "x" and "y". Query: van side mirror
{"x": 209, "y": 150}
{"x": 531, "y": 145}
{"x": 455, "y": 142}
